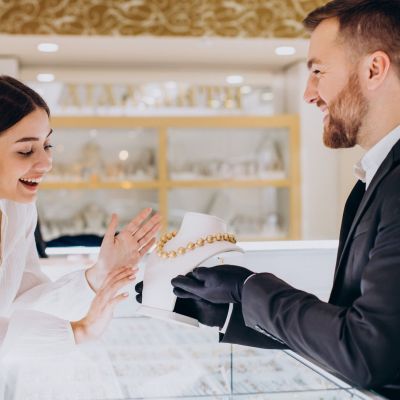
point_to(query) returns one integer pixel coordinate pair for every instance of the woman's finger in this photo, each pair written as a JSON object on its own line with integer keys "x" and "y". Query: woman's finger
{"x": 117, "y": 299}
{"x": 153, "y": 232}
{"x": 147, "y": 247}
{"x": 113, "y": 288}
{"x": 136, "y": 222}
{"x": 115, "y": 273}
{"x": 112, "y": 227}
{"x": 147, "y": 227}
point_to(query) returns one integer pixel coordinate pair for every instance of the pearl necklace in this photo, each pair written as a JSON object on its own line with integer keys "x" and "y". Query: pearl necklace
{"x": 218, "y": 237}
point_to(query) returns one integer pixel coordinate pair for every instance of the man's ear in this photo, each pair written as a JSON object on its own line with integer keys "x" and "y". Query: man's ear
{"x": 376, "y": 68}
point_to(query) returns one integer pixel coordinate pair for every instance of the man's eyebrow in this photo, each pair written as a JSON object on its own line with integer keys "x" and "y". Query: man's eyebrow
{"x": 34, "y": 139}
{"x": 312, "y": 61}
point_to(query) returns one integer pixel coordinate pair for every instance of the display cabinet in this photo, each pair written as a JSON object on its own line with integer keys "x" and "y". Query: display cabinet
{"x": 140, "y": 358}
{"x": 244, "y": 169}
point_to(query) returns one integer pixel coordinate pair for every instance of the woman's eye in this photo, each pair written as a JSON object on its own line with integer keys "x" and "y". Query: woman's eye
{"x": 48, "y": 146}
{"x": 25, "y": 153}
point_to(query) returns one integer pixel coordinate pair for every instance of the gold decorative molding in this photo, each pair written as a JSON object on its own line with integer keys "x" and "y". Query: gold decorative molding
{"x": 193, "y": 18}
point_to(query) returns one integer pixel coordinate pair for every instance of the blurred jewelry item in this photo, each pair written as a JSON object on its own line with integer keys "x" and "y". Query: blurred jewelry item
{"x": 218, "y": 237}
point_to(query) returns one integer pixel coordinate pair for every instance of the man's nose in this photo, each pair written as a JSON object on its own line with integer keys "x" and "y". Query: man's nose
{"x": 310, "y": 93}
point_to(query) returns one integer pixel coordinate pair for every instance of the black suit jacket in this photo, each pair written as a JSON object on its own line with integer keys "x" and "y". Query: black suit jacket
{"x": 356, "y": 335}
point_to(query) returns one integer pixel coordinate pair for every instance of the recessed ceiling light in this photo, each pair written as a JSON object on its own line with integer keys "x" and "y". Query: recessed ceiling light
{"x": 234, "y": 79}
{"x": 47, "y": 47}
{"x": 123, "y": 155}
{"x": 45, "y": 77}
{"x": 285, "y": 51}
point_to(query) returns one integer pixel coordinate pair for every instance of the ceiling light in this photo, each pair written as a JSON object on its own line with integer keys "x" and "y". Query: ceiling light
{"x": 47, "y": 47}
{"x": 123, "y": 155}
{"x": 285, "y": 51}
{"x": 234, "y": 79}
{"x": 45, "y": 77}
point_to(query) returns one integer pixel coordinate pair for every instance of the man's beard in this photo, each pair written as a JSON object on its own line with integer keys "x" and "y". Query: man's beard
{"x": 346, "y": 114}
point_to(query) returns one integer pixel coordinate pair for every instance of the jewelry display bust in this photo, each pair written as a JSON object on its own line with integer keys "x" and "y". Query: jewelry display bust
{"x": 200, "y": 238}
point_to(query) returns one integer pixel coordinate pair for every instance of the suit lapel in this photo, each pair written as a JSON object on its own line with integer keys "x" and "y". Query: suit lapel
{"x": 383, "y": 170}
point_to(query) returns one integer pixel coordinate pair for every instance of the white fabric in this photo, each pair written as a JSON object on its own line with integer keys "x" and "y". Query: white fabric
{"x": 34, "y": 312}
{"x": 366, "y": 168}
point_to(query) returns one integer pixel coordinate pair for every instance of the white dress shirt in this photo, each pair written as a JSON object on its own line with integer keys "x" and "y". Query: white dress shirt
{"x": 34, "y": 312}
{"x": 366, "y": 168}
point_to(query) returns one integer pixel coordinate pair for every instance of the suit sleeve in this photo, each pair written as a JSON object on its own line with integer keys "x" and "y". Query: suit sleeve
{"x": 359, "y": 343}
{"x": 238, "y": 333}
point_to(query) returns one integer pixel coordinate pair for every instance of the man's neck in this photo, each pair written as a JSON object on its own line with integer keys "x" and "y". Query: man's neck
{"x": 383, "y": 116}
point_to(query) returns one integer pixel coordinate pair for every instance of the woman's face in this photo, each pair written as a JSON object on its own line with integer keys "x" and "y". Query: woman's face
{"x": 25, "y": 157}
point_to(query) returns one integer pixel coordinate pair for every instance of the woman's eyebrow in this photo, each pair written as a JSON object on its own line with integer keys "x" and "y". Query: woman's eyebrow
{"x": 30, "y": 139}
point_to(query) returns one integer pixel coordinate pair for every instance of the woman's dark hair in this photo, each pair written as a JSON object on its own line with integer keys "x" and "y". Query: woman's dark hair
{"x": 17, "y": 101}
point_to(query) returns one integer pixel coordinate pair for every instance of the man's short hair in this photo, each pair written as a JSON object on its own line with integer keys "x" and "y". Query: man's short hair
{"x": 364, "y": 25}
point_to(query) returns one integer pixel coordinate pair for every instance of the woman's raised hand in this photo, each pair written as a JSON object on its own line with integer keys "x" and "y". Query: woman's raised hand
{"x": 126, "y": 248}
{"x": 101, "y": 310}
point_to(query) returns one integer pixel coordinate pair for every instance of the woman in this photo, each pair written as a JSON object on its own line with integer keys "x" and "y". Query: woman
{"x": 39, "y": 317}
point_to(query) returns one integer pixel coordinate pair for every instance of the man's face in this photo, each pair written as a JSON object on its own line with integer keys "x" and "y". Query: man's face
{"x": 334, "y": 87}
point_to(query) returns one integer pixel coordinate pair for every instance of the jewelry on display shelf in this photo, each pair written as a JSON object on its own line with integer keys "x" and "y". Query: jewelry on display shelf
{"x": 158, "y": 298}
{"x": 226, "y": 237}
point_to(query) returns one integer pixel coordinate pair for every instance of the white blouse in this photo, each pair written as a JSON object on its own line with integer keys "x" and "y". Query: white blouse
{"x": 35, "y": 313}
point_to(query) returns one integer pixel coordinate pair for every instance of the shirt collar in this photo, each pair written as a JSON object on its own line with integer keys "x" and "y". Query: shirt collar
{"x": 366, "y": 168}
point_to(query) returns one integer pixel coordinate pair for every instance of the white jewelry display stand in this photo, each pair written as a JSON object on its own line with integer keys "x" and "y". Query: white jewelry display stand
{"x": 158, "y": 299}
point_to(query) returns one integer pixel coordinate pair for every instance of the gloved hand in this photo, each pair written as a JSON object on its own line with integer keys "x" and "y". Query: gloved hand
{"x": 220, "y": 284}
{"x": 205, "y": 312}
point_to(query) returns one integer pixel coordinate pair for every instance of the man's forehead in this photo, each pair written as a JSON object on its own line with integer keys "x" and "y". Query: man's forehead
{"x": 323, "y": 41}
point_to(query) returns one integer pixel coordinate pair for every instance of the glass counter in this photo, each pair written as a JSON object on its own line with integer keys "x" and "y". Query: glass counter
{"x": 141, "y": 358}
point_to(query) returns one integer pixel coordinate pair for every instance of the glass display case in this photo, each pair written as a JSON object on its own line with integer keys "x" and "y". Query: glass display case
{"x": 244, "y": 169}
{"x": 141, "y": 358}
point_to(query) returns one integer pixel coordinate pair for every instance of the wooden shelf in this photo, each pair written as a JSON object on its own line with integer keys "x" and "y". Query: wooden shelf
{"x": 169, "y": 184}
{"x": 229, "y": 183}
{"x": 127, "y": 185}
{"x": 164, "y": 127}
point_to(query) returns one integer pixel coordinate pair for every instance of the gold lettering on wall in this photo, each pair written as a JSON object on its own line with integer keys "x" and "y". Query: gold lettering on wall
{"x": 93, "y": 96}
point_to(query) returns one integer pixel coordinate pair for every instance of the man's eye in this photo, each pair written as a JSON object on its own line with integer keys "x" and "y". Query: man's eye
{"x": 316, "y": 72}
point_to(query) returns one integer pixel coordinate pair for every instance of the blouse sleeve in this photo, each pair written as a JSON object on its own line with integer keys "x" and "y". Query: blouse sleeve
{"x": 68, "y": 297}
{"x": 29, "y": 334}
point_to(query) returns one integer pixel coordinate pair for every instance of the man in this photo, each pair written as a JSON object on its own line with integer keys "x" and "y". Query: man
{"x": 354, "y": 62}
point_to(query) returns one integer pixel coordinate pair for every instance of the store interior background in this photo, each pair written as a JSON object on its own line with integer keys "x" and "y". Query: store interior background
{"x": 182, "y": 44}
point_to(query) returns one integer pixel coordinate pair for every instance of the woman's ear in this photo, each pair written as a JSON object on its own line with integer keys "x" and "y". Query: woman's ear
{"x": 376, "y": 67}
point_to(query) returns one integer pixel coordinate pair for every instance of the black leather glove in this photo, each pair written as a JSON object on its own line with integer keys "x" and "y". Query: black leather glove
{"x": 220, "y": 284}
{"x": 205, "y": 312}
